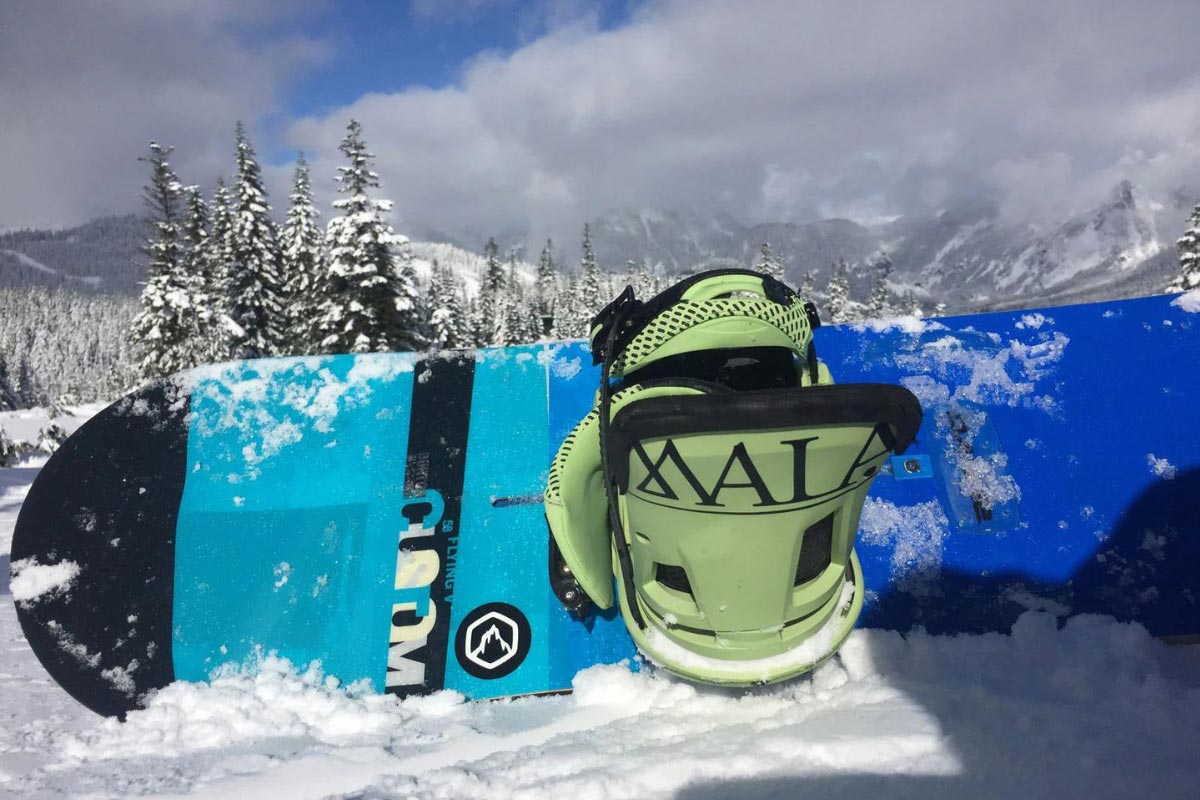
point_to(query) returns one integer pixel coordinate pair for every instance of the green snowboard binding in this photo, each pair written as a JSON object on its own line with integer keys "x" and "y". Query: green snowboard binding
{"x": 720, "y": 479}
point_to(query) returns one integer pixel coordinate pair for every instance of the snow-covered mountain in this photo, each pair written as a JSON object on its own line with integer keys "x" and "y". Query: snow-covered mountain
{"x": 967, "y": 256}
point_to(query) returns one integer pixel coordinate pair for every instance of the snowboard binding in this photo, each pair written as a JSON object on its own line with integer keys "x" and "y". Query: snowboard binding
{"x": 719, "y": 479}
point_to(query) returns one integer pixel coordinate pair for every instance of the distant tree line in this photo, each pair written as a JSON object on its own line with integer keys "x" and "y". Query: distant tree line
{"x": 224, "y": 280}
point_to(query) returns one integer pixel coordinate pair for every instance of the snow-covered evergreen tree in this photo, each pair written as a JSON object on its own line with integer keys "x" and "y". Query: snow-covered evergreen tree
{"x": 545, "y": 289}
{"x": 220, "y": 249}
{"x": 52, "y": 435}
{"x": 302, "y": 256}
{"x": 769, "y": 264}
{"x": 590, "y": 285}
{"x": 837, "y": 302}
{"x": 204, "y": 276}
{"x": 911, "y": 306}
{"x": 591, "y": 293}
{"x": 449, "y": 326}
{"x": 1189, "y": 256}
{"x": 8, "y": 395}
{"x": 478, "y": 333}
{"x": 220, "y": 238}
{"x": 566, "y": 316}
{"x": 253, "y": 282}
{"x": 808, "y": 285}
{"x": 492, "y": 307}
{"x": 10, "y": 452}
{"x": 878, "y": 307}
{"x": 165, "y": 331}
{"x": 492, "y": 280}
{"x": 368, "y": 301}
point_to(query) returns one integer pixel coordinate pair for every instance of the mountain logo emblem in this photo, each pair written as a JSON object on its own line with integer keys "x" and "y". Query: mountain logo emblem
{"x": 492, "y": 640}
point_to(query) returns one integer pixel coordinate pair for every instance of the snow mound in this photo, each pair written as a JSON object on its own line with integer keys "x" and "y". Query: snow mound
{"x": 240, "y": 707}
{"x": 1094, "y": 708}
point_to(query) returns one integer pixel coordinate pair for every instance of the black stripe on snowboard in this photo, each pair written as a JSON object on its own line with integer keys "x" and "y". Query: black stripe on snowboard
{"x": 108, "y": 501}
{"x": 436, "y": 459}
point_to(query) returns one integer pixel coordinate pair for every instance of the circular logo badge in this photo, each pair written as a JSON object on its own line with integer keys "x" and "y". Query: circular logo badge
{"x": 492, "y": 640}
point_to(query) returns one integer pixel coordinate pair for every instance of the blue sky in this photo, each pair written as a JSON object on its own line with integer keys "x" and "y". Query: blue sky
{"x": 382, "y": 46}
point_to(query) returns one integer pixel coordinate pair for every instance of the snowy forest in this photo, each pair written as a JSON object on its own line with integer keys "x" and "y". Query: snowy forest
{"x": 224, "y": 280}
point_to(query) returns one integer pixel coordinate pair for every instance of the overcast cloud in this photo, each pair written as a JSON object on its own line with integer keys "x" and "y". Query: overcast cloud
{"x": 85, "y": 85}
{"x": 770, "y": 109}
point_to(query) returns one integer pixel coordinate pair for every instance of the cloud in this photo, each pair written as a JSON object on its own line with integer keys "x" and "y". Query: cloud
{"x": 771, "y": 107}
{"x": 85, "y": 86}
{"x": 767, "y": 109}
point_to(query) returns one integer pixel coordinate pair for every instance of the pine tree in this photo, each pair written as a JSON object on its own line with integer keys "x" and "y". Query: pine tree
{"x": 837, "y": 303}
{"x": 478, "y": 332}
{"x": 220, "y": 247}
{"x": 448, "y": 323}
{"x": 878, "y": 307}
{"x": 302, "y": 255}
{"x": 566, "y": 317}
{"x": 508, "y": 318}
{"x": 768, "y": 264}
{"x": 590, "y": 296}
{"x": 493, "y": 271}
{"x": 220, "y": 237}
{"x": 545, "y": 289}
{"x": 10, "y": 452}
{"x": 8, "y": 395}
{"x": 51, "y": 437}
{"x": 165, "y": 331}
{"x": 253, "y": 283}
{"x": 368, "y": 301}
{"x": 492, "y": 302}
{"x": 808, "y": 285}
{"x": 912, "y": 307}
{"x": 1189, "y": 256}
{"x": 203, "y": 275}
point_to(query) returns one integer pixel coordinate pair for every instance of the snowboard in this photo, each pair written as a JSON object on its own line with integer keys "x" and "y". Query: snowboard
{"x": 381, "y": 514}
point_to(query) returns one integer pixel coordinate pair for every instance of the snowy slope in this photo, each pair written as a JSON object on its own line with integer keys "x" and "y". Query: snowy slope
{"x": 1098, "y": 709}
{"x": 91, "y": 280}
{"x": 468, "y": 266}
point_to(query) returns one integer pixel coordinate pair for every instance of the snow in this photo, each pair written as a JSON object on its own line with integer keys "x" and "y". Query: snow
{"x": 91, "y": 280}
{"x": 1161, "y": 467}
{"x": 1189, "y": 302}
{"x": 910, "y": 323}
{"x": 812, "y": 650}
{"x": 32, "y": 581}
{"x": 1081, "y": 707}
{"x": 1034, "y": 321}
{"x": 915, "y": 534}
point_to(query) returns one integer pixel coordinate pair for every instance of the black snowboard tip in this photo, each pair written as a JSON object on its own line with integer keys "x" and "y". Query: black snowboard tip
{"x": 107, "y": 503}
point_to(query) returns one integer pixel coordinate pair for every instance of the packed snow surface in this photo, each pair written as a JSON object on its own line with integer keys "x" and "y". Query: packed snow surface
{"x": 1093, "y": 709}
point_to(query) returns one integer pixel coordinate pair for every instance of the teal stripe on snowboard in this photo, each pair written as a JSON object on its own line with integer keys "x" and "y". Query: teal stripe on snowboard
{"x": 507, "y": 443}
{"x": 287, "y": 530}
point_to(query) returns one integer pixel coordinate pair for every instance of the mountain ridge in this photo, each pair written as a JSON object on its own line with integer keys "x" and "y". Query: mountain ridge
{"x": 966, "y": 256}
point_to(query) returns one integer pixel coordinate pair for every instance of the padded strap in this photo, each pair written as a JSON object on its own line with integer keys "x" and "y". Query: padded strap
{"x": 812, "y": 406}
{"x": 633, "y": 315}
